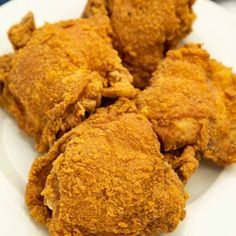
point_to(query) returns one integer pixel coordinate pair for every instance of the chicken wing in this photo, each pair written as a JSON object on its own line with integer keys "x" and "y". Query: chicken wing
{"x": 144, "y": 30}
{"x": 60, "y": 76}
{"x": 192, "y": 102}
{"x": 106, "y": 177}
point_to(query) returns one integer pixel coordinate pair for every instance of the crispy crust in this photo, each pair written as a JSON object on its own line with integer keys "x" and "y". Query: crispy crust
{"x": 58, "y": 80}
{"x": 143, "y": 31}
{"x": 108, "y": 178}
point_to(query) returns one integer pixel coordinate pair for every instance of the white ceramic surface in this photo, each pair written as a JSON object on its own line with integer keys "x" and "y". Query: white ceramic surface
{"x": 230, "y": 5}
{"x": 211, "y": 210}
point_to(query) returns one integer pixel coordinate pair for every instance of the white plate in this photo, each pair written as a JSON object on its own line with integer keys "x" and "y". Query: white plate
{"x": 211, "y": 210}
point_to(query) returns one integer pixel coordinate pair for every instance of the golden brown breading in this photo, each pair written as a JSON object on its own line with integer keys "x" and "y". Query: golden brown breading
{"x": 60, "y": 76}
{"x": 221, "y": 146}
{"x": 107, "y": 177}
{"x": 21, "y": 33}
{"x": 192, "y": 101}
{"x": 144, "y": 30}
{"x": 184, "y": 164}
{"x": 5, "y": 63}
{"x": 179, "y": 101}
{"x": 5, "y": 68}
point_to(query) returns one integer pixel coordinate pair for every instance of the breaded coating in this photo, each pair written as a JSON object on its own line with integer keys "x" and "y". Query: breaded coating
{"x": 144, "y": 30}
{"x": 192, "y": 102}
{"x": 60, "y": 77}
{"x": 107, "y": 177}
{"x": 5, "y": 68}
{"x": 5, "y": 64}
{"x": 21, "y": 33}
{"x": 221, "y": 146}
{"x": 184, "y": 164}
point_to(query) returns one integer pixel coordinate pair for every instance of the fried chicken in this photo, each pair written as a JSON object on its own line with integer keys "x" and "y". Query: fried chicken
{"x": 192, "y": 102}
{"x": 21, "y": 33}
{"x": 106, "y": 177}
{"x": 144, "y": 30}
{"x": 60, "y": 76}
{"x": 184, "y": 163}
{"x": 5, "y": 64}
{"x": 5, "y": 68}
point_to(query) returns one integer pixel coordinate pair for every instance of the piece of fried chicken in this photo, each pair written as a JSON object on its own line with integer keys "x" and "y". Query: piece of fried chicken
{"x": 192, "y": 102}
{"x": 21, "y": 33}
{"x": 144, "y": 30}
{"x": 106, "y": 177}
{"x": 60, "y": 75}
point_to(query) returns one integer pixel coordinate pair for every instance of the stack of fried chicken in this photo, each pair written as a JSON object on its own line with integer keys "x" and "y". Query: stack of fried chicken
{"x": 123, "y": 117}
